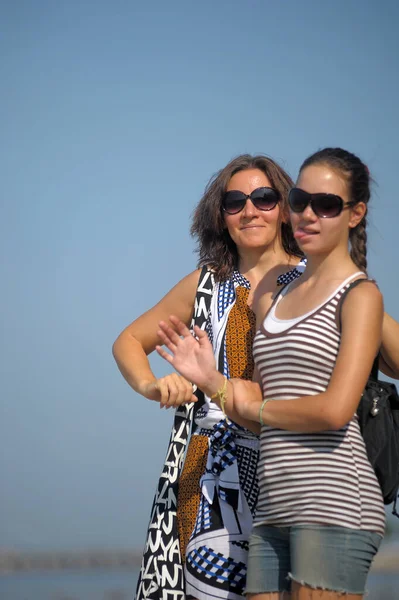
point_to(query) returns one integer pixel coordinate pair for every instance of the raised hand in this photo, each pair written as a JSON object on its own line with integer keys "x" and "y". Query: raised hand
{"x": 191, "y": 356}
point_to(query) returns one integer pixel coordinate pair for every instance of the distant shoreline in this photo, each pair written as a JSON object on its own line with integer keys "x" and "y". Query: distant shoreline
{"x": 12, "y": 561}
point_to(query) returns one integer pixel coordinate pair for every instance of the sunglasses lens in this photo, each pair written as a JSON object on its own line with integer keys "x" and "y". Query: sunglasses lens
{"x": 298, "y": 200}
{"x": 265, "y": 198}
{"x": 233, "y": 202}
{"x": 323, "y": 205}
{"x": 327, "y": 205}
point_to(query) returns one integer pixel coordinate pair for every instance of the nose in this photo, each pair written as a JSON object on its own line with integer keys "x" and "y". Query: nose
{"x": 249, "y": 209}
{"x": 308, "y": 214}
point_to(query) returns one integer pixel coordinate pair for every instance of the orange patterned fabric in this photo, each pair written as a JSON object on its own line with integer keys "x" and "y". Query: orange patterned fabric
{"x": 240, "y": 336}
{"x": 189, "y": 489}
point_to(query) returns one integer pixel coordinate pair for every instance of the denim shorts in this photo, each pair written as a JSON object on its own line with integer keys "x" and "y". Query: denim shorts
{"x": 318, "y": 556}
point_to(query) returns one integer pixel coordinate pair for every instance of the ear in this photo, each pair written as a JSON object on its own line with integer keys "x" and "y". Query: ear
{"x": 285, "y": 215}
{"x": 285, "y": 219}
{"x": 357, "y": 214}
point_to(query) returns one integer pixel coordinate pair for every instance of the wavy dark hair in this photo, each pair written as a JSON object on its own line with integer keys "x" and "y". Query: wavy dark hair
{"x": 359, "y": 181}
{"x": 214, "y": 244}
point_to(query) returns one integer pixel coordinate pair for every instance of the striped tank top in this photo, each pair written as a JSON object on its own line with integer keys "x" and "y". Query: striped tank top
{"x": 322, "y": 477}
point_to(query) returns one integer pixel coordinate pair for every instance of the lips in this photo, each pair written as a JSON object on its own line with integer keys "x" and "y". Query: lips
{"x": 252, "y": 227}
{"x": 300, "y": 233}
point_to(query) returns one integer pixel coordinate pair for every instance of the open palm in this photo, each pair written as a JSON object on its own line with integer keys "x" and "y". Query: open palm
{"x": 191, "y": 356}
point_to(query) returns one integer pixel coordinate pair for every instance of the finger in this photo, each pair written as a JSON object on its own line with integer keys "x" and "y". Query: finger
{"x": 164, "y": 392}
{"x": 166, "y": 341}
{"x": 169, "y": 332}
{"x": 185, "y": 390}
{"x": 181, "y": 328}
{"x": 200, "y": 333}
{"x": 181, "y": 386}
{"x": 164, "y": 354}
{"x": 173, "y": 393}
{"x": 202, "y": 336}
{"x": 190, "y": 388}
{"x": 188, "y": 392}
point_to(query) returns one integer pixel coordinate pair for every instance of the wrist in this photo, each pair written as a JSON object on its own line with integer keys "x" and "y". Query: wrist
{"x": 264, "y": 413}
{"x": 147, "y": 389}
{"x": 214, "y": 382}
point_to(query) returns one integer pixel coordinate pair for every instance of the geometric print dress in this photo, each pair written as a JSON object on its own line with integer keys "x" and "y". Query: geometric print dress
{"x": 218, "y": 487}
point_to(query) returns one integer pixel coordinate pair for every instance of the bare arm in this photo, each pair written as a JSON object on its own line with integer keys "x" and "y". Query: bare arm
{"x": 139, "y": 339}
{"x": 389, "y": 352}
{"x": 194, "y": 359}
{"x": 362, "y": 314}
{"x": 361, "y": 320}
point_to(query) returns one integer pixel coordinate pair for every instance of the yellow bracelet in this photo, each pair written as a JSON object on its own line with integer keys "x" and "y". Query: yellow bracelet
{"x": 262, "y": 406}
{"x": 221, "y": 395}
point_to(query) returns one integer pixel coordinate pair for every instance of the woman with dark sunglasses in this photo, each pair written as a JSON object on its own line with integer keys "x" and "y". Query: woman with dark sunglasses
{"x": 244, "y": 239}
{"x": 320, "y": 515}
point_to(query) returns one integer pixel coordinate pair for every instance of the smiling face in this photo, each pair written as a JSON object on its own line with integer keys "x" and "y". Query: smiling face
{"x": 252, "y": 228}
{"x": 321, "y": 235}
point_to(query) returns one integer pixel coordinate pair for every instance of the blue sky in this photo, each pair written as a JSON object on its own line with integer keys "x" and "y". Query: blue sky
{"x": 114, "y": 115}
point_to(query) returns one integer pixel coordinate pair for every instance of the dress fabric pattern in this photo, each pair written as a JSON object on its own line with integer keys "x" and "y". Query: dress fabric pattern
{"x": 189, "y": 491}
{"x": 161, "y": 575}
{"x": 239, "y": 336}
{"x": 322, "y": 477}
{"x": 216, "y": 554}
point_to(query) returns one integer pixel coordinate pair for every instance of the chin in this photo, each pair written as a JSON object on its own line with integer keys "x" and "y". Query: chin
{"x": 255, "y": 245}
{"x": 256, "y": 239}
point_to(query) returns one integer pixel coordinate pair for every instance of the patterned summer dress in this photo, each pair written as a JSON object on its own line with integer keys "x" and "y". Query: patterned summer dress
{"x": 218, "y": 487}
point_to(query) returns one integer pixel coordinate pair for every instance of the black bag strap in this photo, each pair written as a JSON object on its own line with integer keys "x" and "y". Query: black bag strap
{"x": 374, "y": 368}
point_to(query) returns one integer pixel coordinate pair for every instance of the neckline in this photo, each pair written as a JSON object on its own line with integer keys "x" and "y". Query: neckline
{"x": 299, "y": 268}
{"x": 240, "y": 279}
{"x": 295, "y": 320}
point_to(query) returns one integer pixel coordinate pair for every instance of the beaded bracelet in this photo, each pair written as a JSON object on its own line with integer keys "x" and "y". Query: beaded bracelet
{"x": 221, "y": 395}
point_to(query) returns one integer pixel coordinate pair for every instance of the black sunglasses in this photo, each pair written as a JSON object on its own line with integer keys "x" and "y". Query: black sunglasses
{"x": 263, "y": 198}
{"x": 325, "y": 206}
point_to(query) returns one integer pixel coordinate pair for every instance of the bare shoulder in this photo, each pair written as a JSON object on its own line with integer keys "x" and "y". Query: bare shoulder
{"x": 363, "y": 303}
{"x": 182, "y": 294}
{"x": 364, "y": 295}
{"x": 188, "y": 285}
{"x": 179, "y": 301}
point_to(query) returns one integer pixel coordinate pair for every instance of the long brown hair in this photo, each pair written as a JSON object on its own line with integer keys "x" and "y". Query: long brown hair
{"x": 214, "y": 244}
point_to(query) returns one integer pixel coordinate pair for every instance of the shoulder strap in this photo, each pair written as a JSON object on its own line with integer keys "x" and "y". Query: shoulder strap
{"x": 203, "y": 298}
{"x": 201, "y": 313}
{"x": 374, "y": 368}
{"x": 293, "y": 274}
{"x": 280, "y": 292}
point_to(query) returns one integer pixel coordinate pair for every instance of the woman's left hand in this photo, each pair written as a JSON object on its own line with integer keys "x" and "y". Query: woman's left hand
{"x": 191, "y": 356}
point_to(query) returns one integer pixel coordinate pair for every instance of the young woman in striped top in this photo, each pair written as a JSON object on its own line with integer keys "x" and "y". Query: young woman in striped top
{"x": 320, "y": 515}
